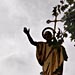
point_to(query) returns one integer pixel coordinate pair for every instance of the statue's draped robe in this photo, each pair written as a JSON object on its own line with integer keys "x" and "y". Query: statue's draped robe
{"x": 51, "y": 58}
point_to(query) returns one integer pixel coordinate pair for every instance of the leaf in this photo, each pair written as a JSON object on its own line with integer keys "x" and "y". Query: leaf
{"x": 64, "y": 7}
{"x": 59, "y": 9}
{"x": 55, "y": 12}
{"x": 65, "y": 34}
{"x": 70, "y": 1}
{"x": 62, "y": 2}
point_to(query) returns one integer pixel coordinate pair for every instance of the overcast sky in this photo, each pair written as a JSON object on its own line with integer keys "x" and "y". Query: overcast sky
{"x": 17, "y": 55}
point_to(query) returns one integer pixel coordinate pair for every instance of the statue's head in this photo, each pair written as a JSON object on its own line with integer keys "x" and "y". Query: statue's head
{"x": 47, "y": 35}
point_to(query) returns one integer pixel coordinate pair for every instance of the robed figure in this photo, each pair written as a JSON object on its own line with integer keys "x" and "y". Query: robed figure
{"x": 50, "y": 54}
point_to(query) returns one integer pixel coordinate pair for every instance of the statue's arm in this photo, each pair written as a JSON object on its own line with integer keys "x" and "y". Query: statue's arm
{"x": 31, "y": 40}
{"x": 29, "y": 36}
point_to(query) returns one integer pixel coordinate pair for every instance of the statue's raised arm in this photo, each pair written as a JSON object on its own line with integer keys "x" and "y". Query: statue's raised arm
{"x": 26, "y": 31}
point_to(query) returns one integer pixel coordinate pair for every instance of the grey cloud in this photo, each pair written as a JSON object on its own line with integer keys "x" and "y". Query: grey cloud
{"x": 14, "y": 15}
{"x": 18, "y": 65}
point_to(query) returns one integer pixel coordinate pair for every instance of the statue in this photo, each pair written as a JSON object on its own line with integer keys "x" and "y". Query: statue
{"x": 50, "y": 54}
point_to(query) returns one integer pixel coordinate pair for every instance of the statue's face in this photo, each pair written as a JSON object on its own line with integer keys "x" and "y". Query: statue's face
{"x": 48, "y": 35}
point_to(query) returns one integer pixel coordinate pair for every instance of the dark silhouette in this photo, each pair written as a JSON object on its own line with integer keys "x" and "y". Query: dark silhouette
{"x": 50, "y": 54}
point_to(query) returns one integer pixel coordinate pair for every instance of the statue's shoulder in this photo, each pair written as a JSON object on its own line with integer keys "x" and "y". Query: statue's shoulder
{"x": 41, "y": 43}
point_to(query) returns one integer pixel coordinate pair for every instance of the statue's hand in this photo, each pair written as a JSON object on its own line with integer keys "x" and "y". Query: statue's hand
{"x": 26, "y": 30}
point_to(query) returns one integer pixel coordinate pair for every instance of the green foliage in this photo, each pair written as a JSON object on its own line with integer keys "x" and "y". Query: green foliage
{"x": 70, "y": 1}
{"x": 64, "y": 7}
{"x": 69, "y": 19}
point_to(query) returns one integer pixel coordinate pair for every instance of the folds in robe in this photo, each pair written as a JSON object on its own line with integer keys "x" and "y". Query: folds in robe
{"x": 50, "y": 57}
